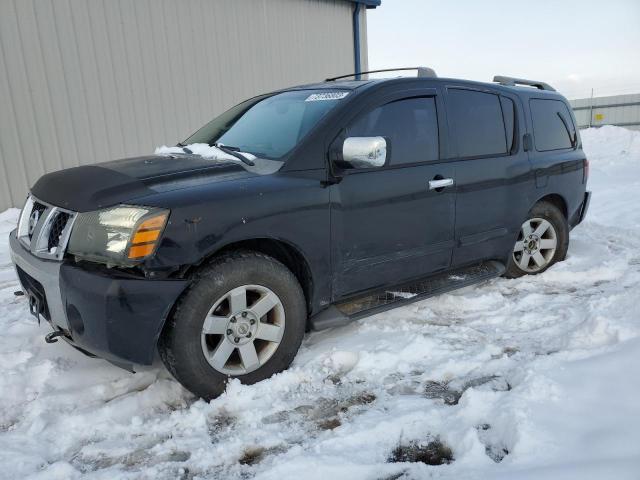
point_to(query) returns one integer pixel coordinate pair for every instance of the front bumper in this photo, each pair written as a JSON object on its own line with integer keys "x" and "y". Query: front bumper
{"x": 106, "y": 314}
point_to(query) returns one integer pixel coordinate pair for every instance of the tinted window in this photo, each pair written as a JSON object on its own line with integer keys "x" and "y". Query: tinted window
{"x": 410, "y": 125}
{"x": 508, "y": 113}
{"x": 553, "y": 127}
{"x": 477, "y": 123}
{"x": 269, "y": 127}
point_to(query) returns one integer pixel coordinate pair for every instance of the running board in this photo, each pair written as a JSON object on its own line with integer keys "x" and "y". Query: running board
{"x": 345, "y": 312}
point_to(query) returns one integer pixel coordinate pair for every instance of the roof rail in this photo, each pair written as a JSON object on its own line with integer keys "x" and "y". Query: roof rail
{"x": 510, "y": 81}
{"x": 423, "y": 72}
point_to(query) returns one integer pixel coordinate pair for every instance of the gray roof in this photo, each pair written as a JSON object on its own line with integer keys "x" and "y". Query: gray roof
{"x": 368, "y": 3}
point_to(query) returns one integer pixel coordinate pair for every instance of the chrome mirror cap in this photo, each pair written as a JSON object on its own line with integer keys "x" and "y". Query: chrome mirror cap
{"x": 365, "y": 152}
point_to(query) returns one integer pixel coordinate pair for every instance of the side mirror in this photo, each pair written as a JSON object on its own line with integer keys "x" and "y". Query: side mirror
{"x": 364, "y": 152}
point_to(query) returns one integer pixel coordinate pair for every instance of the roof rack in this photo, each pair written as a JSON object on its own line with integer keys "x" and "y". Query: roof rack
{"x": 423, "y": 72}
{"x": 512, "y": 82}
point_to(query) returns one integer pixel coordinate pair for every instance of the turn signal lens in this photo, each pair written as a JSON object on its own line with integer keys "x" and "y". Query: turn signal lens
{"x": 148, "y": 236}
{"x": 139, "y": 251}
{"x": 153, "y": 222}
{"x": 145, "y": 238}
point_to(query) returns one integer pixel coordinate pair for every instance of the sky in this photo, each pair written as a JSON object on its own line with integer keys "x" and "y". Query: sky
{"x": 573, "y": 45}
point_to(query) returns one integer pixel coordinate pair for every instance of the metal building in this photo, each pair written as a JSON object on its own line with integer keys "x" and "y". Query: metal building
{"x": 84, "y": 81}
{"x": 620, "y": 110}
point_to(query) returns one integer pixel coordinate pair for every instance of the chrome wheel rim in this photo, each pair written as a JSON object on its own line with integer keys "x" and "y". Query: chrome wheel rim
{"x": 536, "y": 245}
{"x": 243, "y": 329}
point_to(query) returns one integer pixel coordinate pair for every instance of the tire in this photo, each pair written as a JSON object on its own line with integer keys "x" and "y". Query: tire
{"x": 525, "y": 259}
{"x": 197, "y": 336}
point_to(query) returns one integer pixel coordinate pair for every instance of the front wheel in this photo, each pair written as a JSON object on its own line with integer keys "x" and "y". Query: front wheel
{"x": 243, "y": 317}
{"x": 542, "y": 241}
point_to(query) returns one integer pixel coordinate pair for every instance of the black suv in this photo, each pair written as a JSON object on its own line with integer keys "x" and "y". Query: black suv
{"x": 301, "y": 209}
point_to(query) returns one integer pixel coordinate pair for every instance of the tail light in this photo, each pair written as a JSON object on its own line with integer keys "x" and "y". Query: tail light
{"x": 585, "y": 175}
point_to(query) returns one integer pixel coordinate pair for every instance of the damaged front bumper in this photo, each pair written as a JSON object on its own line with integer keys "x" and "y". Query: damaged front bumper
{"x": 102, "y": 313}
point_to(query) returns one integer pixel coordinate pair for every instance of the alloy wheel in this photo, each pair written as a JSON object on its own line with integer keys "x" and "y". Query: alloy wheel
{"x": 536, "y": 245}
{"x": 243, "y": 329}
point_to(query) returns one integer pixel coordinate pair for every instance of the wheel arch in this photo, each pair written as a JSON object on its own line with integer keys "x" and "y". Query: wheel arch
{"x": 285, "y": 252}
{"x": 557, "y": 200}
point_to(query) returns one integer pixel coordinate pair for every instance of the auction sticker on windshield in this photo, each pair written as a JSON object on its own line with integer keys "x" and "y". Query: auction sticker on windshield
{"x": 316, "y": 97}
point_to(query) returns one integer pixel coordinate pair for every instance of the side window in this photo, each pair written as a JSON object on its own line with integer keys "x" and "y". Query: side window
{"x": 553, "y": 127}
{"x": 409, "y": 125}
{"x": 509, "y": 116}
{"x": 477, "y": 122}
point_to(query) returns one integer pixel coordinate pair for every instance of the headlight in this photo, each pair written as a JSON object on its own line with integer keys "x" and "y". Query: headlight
{"x": 121, "y": 235}
{"x": 23, "y": 221}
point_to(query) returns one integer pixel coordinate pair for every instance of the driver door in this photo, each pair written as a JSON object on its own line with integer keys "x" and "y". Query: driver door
{"x": 391, "y": 224}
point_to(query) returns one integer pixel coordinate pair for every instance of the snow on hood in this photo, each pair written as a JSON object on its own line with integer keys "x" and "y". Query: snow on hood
{"x": 204, "y": 150}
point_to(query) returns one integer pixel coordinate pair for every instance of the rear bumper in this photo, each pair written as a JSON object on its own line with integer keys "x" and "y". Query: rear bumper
{"x": 109, "y": 315}
{"x": 585, "y": 206}
{"x": 582, "y": 211}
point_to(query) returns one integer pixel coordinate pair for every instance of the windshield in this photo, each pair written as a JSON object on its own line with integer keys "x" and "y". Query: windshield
{"x": 269, "y": 127}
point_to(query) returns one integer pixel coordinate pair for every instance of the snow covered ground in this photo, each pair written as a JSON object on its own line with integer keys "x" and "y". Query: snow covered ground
{"x": 528, "y": 378}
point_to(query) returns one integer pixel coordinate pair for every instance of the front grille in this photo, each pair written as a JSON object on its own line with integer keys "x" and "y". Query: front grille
{"x": 57, "y": 229}
{"x": 39, "y": 209}
{"x": 45, "y": 229}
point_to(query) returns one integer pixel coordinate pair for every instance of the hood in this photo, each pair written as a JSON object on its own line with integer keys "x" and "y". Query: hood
{"x": 92, "y": 187}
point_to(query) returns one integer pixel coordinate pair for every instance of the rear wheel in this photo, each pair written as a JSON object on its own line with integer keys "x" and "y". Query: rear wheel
{"x": 243, "y": 317}
{"x": 542, "y": 241}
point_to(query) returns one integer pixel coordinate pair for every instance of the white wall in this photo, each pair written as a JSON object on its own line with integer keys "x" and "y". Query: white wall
{"x": 84, "y": 81}
{"x": 622, "y": 110}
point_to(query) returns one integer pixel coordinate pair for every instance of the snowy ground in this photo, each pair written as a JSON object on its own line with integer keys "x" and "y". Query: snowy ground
{"x": 529, "y": 378}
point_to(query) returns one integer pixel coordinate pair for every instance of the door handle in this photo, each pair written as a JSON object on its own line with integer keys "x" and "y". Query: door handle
{"x": 440, "y": 183}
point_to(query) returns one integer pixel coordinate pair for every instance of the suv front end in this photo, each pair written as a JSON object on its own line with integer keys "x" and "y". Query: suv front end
{"x": 101, "y": 310}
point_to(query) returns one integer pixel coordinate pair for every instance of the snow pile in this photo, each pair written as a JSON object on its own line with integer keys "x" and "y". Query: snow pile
{"x": 611, "y": 145}
{"x": 528, "y": 378}
{"x": 614, "y": 153}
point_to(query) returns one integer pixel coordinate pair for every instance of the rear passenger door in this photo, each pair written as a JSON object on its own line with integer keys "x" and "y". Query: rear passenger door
{"x": 387, "y": 225}
{"x": 493, "y": 173}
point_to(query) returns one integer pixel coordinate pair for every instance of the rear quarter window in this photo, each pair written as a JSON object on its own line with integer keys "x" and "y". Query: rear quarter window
{"x": 553, "y": 126}
{"x": 509, "y": 115}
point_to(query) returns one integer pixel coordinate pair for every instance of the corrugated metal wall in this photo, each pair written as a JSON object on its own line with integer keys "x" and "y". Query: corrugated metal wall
{"x": 83, "y": 81}
{"x": 621, "y": 110}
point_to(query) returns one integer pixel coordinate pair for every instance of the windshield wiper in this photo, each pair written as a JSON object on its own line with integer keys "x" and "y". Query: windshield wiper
{"x": 184, "y": 148}
{"x": 234, "y": 152}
